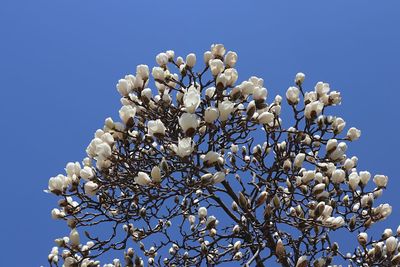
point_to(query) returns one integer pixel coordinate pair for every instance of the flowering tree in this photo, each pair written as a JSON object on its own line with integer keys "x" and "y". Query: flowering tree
{"x": 207, "y": 171}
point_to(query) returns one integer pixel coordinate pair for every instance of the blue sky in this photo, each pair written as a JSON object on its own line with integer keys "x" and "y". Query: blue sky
{"x": 60, "y": 60}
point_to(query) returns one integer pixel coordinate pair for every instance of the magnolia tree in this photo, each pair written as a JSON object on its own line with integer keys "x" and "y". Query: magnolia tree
{"x": 205, "y": 170}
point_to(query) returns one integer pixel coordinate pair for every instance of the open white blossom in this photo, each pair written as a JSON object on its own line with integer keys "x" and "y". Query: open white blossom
{"x": 184, "y": 148}
{"x": 156, "y": 127}
{"x": 191, "y": 100}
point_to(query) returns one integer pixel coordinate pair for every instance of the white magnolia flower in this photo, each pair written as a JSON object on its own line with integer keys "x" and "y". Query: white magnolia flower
{"x": 190, "y": 60}
{"x": 73, "y": 168}
{"x": 126, "y": 113}
{"x": 74, "y": 238}
{"x": 391, "y": 244}
{"x": 225, "y": 108}
{"x": 321, "y": 88}
{"x": 302, "y": 261}
{"x": 124, "y": 87}
{"x": 299, "y": 79}
{"x": 218, "y": 177}
{"x": 364, "y": 177}
{"x": 162, "y": 59}
{"x": 265, "y": 117}
{"x": 313, "y": 109}
{"x": 170, "y": 54}
{"x": 354, "y": 180}
{"x": 227, "y": 78}
{"x": 211, "y": 157}
{"x": 191, "y": 100}
{"x": 210, "y": 91}
{"x": 184, "y": 148}
{"x": 156, "y": 127}
{"x": 91, "y": 188}
{"x": 362, "y": 238}
{"x": 216, "y": 66}
{"x": 143, "y": 72}
{"x": 211, "y": 114}
{"x": 87, "y": 173}
{"x": 353, "y": 134}
{"x": 158, "y": 73}
{"x": 380, "y": 180}
{"x": 202, "y": 212}
{"x": 57, "y": 184}
{"x": 57, "y": 214}
{"x": 260, "y": 93}
{"x": 103, "y": 150}
{"x": 331, "y": 145}
{"x": 230, "y": 59}
{"x": 292, "y": 95}
{"x": 147, "y": 94}
{"x": 338, "y": 125}
{"x": 234, "y": 148}
{"x": 189, "y": 122}
{"x": 299, "y": 159}
{"x": 207, "y": 57}
{"x": 218, "y": 50}
{"x": 156, "y": 174}
{"x": 142, "y": 179}
{"x": 338, "y": 176}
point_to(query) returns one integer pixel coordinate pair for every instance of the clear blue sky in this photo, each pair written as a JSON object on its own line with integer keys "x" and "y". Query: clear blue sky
{"x": 60, "y": 60}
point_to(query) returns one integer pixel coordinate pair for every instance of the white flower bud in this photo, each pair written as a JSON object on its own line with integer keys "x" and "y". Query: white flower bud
{"x": 162, "y": 59}
{"x": 362, "y": 238}
{"x": 299, "y": 159}
{"x": 391, "y": 244}
{"x": 353, "y": 134}
{"x": 211, "y": 157}
{"x": 338, "y": 125}
{"x": 260, "y": 93}
{"x": 124, "y": 87}
{"x": 190, "y": 60}
{"x": 156, "y": 174}
{"x": 158, "y": 73}
{"x": 91, "y": 188}
{"x": 143, "y": 72}
{"x": 338, "y": 176}
{"x": 202, "y": 212}
{"x": 299, "y": 79}
{"x": 74, "y": 238}
{"x": 234, "y": 148}
{"x": 230, "y": 59}
{"x": 354, "y": 180}
{"x": 170, "y": 54}
{"x": 218, "y": 50}
{"x": 218, "y": 177}
{"x": 216, "y": 66}
{"x": 207, "y": 57}
{"x": 364, "y": 177}
{"x": 142, "y": 179}
{"x": 211, "y": 114}
{"x": 292, "y": 95}
{"x": 87, "y": 173}
{"x": 380, "y": 180}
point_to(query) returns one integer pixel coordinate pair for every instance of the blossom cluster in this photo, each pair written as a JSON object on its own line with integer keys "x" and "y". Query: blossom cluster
{"x": 201, "y": 145}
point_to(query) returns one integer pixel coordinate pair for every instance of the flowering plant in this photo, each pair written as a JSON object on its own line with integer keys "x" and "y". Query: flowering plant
{"x": 205, "y": 170}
